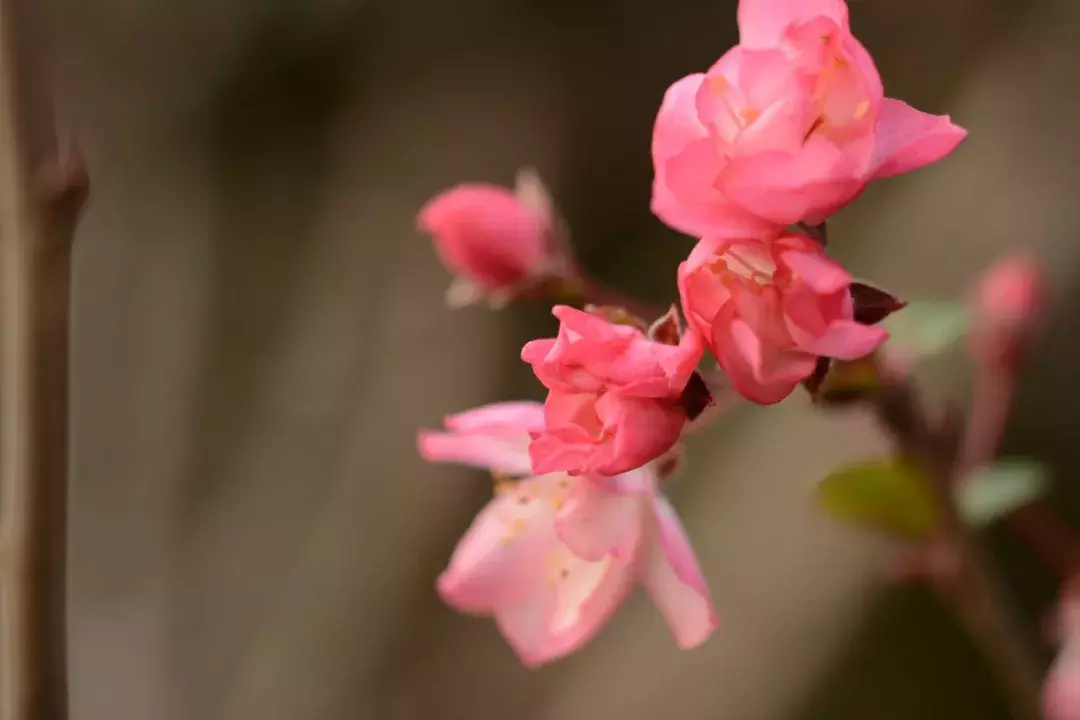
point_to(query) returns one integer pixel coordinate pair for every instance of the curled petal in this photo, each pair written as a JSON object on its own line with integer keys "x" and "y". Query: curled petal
{"x": 824, "y": 276}
{"x": 523, "y": 416}
{"x": 505, "y": 452}
{"x": 846, "y": 340}
{"x": 907, "y": 139}
{"x": 675, "y": 582}
{"x": 764, "y": 375}
{"x": 493, "y": 437}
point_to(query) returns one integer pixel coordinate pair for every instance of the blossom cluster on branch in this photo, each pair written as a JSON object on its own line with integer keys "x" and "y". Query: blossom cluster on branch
{"x": 750, "y": 158}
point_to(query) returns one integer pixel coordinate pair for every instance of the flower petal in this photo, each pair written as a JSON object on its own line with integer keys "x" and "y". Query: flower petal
{"x": 677, "y": 123}
{"x": 907, "y": 139}
{"x": 523, "y": 416}
{"x": 824, "y": 276}
{"x": 577, "y": 603}
{"x": 597, "y": 522}
{"x": 786, "y": 187}
{"x": 757, "y": 373}
{"x": 763, "y": 22}
{"x": 675, "y": 582}
{"x": 845, "y": 340}
{"x": 497, "y": 562}
{"x": 500, "y": 452}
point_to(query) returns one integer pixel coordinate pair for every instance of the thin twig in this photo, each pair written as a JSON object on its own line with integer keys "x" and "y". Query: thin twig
{"x": 40, "y": 198}
{"x": 972, "y": 587}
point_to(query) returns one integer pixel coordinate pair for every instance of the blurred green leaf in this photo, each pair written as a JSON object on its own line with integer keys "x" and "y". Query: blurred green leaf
{"x": 994, "y": 491}
{"x": 927, "y": 327}
{"x": 886, "y": 495}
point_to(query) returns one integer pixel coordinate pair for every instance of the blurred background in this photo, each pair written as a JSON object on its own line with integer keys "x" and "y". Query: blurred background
{"x": 259, "y": 333}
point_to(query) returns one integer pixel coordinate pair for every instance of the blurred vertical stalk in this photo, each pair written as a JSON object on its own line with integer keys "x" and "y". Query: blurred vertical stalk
{"x": 41, "y": 194}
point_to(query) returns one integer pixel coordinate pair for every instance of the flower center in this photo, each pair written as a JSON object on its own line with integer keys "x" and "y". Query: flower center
{"x": 526, "y": 499}
{"x": 748, "y": 266}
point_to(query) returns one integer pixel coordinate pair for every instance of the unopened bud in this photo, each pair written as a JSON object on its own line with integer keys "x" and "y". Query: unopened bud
{"x": 1006, "y": 305}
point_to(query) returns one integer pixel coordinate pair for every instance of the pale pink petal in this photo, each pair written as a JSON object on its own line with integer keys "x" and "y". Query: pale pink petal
{"x": 501, "y": 452}
{"x": 763, "y": 22}
{"x": 634, "y": 482}
{"x": 497, "y": 561}
{"x": 907, "y": 139}
{"x": 526, "y": 628}
{"x": 581, "y": 598}
{"x": 524, "y": 416}
{"x": 846, "y": 340}
{"x": 597, "y": 521}
{"x": 675, "y": 582}
{"x": 821, "y": 274}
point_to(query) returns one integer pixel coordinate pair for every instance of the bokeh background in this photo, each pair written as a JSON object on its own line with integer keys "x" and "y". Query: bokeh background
{"x": 259, "y": 332}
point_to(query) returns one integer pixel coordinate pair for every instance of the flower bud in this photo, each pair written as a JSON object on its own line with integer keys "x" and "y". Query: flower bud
{"x": 1006, "y": 304}
{"x": 493, "y": 242}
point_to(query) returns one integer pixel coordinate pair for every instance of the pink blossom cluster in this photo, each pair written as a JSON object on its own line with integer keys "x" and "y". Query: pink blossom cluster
{"x": 750, "y": 157}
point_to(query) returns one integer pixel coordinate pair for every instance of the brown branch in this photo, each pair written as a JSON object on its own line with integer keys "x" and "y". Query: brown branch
{"x": 40, "y": 198}
{"x": 971, "y": 584}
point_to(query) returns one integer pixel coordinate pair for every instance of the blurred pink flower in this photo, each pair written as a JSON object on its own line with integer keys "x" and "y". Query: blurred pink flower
{"x": 1007, "y": 305}
{"x": 488, "y": 238}
{"x": 552, "y": 557}
{"x": 768, "y": 308}
{"x": 613, "y": 400}
{"x": 788, "y": 126}
{"x": 1061, "y": 689}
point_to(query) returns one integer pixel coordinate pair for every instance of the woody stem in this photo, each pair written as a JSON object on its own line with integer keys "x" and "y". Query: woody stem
{"x": 40, "y": 198}
{"x": 971, "y": 587}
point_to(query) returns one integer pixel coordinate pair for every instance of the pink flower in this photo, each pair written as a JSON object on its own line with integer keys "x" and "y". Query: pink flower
{"x": 612, "y": 404}
{"x": 769, "y": 308}
{"x": 488, "y": 238}
{"x": 788, "y": 126}
{"x": 552, "y": 557}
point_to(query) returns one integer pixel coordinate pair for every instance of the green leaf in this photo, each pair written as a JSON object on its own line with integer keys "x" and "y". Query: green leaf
{"x": 996, "y": 490}
{"x": 927, "y": 327}
{"x": 886, "y": 495}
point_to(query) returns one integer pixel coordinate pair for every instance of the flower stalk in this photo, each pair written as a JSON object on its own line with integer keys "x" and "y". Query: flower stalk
{"x": 968, "y": 581}
{"x": 41, "y": 194}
